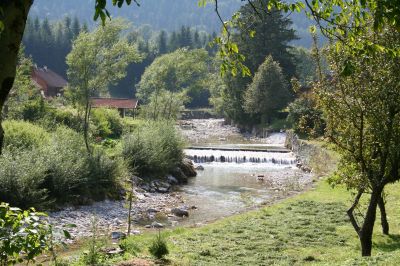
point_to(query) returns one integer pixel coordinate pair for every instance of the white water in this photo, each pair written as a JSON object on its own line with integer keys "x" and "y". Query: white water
{"x": 227, "y": 156}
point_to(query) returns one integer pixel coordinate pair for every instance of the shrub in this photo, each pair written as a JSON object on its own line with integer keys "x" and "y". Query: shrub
{"x": 130, "y": 124}
{"x": 66, "y": 159}
{"x": 106, "y": 123}
{"x": 75, "y": 175}
{"x": 23, "y": 235}
{"x": 22, "y": 175}
{"x": 59, "y": 170}
{"x": 105, "y": 175}
{"x": 159, "y": 247}
{"x": 67, "y": 117}
{"x": 94, "y": 256}
{"x": 34, "y": 110}
{"x": 20, "y": 134}
{"x": 154, "y": 149}
{"x": 305, "y": 117}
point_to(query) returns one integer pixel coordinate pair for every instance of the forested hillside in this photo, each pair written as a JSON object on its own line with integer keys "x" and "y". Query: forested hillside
{"x": 160, "y": 14}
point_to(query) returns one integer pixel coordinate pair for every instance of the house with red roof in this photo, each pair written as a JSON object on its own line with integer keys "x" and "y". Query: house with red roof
{"x": 50, "y": 83}
{"x": 122, "y": 104}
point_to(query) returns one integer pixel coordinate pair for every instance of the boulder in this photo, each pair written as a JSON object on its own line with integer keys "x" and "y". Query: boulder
{"x": 157, "y": 225}
{"x": 172, "y": 180}
{"x": 118, "y": 235}
{"x": 160, "y": 186}
{"x": 179, "y": 175}
{"x": 180, "y": 212}
{"x": 136, "y": 232}
{"x": 199, "y": 168}
{"x": 187, "y": 168}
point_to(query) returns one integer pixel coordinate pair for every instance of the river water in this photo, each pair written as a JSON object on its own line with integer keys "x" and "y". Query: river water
{"x": 239, "y": 176}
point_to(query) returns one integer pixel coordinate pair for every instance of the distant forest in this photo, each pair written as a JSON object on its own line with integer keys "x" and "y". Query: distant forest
{"x": 165, "y": 15}
{"x": 49, "y": 42}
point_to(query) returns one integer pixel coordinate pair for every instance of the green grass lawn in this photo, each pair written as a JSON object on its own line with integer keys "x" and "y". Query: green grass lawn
{"x": 311, "y": 228}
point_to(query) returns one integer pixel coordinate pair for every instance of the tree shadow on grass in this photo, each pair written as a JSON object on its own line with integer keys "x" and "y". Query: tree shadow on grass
{"x": 390, "y": 243}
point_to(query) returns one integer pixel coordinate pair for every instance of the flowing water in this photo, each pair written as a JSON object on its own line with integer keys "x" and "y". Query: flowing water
{"x": 237, "y": 177}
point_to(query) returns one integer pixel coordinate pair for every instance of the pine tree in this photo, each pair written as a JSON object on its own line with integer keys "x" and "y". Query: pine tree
{"x": 47, "y": 39}
{"x": 173, "y": 42}
{"x": 85, "y": 27}
{"x": 75, "y": 28}
{"x": 196, "y": 40}
{"x": 162, "y": 42}
{"x": 268, "y": 93}
{"x": 273, "y": 34}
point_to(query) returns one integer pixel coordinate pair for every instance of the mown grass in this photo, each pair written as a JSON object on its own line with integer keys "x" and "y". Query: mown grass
{"x": 311, "y": 229}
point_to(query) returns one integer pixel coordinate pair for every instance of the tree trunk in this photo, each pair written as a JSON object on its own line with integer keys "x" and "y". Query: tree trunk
{"x": 14, "y": 19}
{"x": 130, "y": 199}
{"x": 384, "y": 221}
{"x": 368, "y": 225}
{"x": 86, "y": 126}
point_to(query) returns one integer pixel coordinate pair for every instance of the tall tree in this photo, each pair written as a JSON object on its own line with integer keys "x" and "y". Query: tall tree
{"x": 162, "y": 42}
{"x": 273, "y": 34}
{"x": 75, "y": 28}
{"x": 268, "y": 93}
{"x": 97, "y": 60}
{"x": 270, "y": 34}
{"x": 182, "y": 70}
{"x": 362, "y": 110}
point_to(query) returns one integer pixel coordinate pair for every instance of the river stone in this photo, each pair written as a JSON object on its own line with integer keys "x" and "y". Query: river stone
{"x": 152, "y": 210}
{"x": 136, "y": 232}
{"x": 157, "y": 225}
{"x": 199, "y": 167}
{"x": 180, "y": 212}
{"x": 187, "y": 168}
{"x": 113, "y": 251}
{"x": 118, "y": 235}
{"x": 172, "y": 180}
{"x": 179, "y": 175}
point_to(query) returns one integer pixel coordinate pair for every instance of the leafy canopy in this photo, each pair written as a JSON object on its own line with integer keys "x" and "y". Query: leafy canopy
{"x": 98, "y": 60}
{"x": 180, "y": 71}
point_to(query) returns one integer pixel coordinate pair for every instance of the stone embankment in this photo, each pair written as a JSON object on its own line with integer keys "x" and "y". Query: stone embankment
{"x": 311, "y": 157}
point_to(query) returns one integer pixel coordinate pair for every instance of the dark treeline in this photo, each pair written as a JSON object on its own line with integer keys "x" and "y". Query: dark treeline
{"x": 152, "y": 44}
{"x": 49, "y": 42}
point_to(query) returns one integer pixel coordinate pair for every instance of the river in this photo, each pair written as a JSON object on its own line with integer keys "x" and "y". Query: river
{"x": 239, "y": 173}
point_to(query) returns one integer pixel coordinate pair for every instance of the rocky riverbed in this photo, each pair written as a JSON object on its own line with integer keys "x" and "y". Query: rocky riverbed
{"x": 149, "y": 210}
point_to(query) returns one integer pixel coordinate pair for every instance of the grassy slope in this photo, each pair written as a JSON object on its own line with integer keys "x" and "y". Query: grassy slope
{"x": 311, "y": 228}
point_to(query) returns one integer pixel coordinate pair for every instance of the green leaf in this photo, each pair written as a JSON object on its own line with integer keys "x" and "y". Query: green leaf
{"x": 70, "y": 226}
{"x": 67, "y": 234}
{"x": 235, "y": 48}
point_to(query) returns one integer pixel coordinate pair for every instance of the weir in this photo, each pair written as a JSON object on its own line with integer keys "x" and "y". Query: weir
{"x": 239, "y": 156}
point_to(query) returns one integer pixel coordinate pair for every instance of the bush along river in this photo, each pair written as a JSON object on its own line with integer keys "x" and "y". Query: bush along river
{"x": 235, "y": 173}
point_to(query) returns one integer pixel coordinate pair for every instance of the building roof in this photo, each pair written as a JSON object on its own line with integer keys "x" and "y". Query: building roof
{"x": 51, "y": 78}
{"x": 123, "y": 103}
